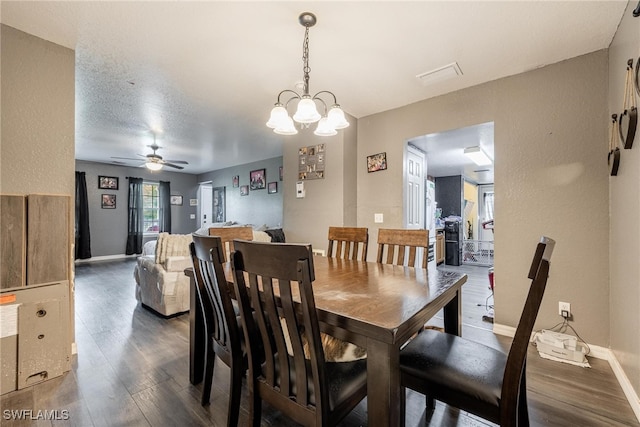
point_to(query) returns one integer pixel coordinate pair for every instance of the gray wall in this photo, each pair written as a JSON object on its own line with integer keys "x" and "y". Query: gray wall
{"x": 109, "y": 226}
{"x": 624, "y": 239}
{"x": 259, "y": 207}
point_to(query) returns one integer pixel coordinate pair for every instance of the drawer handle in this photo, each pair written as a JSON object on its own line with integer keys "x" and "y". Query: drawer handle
{"x": 41, "y": 313}
{"x": 41, "y": 336}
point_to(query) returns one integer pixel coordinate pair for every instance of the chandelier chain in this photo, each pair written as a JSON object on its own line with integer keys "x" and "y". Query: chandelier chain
{"x": 305, "y": 61}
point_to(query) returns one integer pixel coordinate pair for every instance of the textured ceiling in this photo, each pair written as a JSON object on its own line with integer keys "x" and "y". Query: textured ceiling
{"x": 204, "y": 75}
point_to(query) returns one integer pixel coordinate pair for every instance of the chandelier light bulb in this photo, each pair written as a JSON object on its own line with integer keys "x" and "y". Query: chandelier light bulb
{"x": 336, "y": 117}
{"x": 278, "y": 115}
{"x": 324, "y": 128}
{"x": 307, "y": 111}
{"x": 286, "y": 127}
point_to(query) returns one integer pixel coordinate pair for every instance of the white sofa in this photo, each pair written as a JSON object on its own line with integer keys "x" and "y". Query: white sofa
{"x": 159, "y": 273}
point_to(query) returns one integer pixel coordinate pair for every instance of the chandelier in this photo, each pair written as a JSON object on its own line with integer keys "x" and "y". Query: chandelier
{"x": 332, "y": 117}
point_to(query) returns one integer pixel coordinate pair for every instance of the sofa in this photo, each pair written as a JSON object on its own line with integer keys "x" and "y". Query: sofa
{"x": 161, "y": 284}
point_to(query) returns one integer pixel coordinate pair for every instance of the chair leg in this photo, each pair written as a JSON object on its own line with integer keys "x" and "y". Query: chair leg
{"x": 255, "y": 409}
{"x": 208, "y": 374}
{"x": 430, "y": 402}
{"x": 234, "y": 394}
{"x": 523, "y": 410}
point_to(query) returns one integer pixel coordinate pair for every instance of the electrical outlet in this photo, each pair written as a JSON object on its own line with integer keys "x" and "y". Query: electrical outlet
{"x": 564, "y": 309}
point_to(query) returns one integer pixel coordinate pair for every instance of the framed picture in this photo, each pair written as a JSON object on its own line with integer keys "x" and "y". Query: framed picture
{"x": 244, "y": 190}
{"x": 176, "y": 200}
{"x": 281, "y": 173}
{"x": 272, "y": 188}
{"x": 107, "y": 182}
{"x": 108, "y": 201}
{"x": 257, "y": 179}
{"x": 236, "y": 181}
{"x": 377, "y": 162}
{"x": 219, "y": 214}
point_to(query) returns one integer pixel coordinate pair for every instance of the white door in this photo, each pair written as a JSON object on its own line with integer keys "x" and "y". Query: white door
{"x": 414, "y": 188}
{"x": 206, "y": 204}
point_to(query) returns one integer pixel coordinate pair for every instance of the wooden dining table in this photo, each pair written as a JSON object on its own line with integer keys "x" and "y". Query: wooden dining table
{"x": 376, "y": 306}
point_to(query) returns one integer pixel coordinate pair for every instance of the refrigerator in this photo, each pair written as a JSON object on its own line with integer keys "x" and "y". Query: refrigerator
{"x": 430, "y": 220}
{"x": 453, "y": 234}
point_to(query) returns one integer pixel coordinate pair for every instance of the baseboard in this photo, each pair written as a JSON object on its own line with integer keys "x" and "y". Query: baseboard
{"x": 599, "y": 353}
{"x": 105, "y": 258}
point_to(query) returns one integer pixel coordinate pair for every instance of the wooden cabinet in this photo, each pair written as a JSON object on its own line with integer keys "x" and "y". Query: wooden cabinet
{"x": 439, "y": 247}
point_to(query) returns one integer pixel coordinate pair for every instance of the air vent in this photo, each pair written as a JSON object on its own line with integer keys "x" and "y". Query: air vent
{"x": 440, "y": 74}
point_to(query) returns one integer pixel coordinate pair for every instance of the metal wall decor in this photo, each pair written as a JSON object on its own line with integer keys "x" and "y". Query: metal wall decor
{"x": 311, "y": 162}
{"x": 614, "y": 150}
{"x": 628, "y": 119}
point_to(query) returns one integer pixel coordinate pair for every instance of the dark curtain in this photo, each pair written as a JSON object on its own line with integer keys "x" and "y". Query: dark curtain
{"x": 83, "y": 235}
{"x": 134, "y": 235}
{"x": 164, "y": 199}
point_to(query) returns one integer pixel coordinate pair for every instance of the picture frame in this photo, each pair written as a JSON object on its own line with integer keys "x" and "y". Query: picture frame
{"x": 108, "y": 201}
{"x": 244, "y": 190}
{"x": 258, "y": 179}
{"x": 272, "y": 187}
{"x": 377, "y": 162}
{"x": 281, "y": 173}
{"x": 236, "y": 181}
{"x": 219, "y": 203}
{"x": 176, "y": 200}
{"x": 108, "y": 182}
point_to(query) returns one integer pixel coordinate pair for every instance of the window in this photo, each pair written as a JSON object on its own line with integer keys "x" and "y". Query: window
{"x": 150, "y": 207}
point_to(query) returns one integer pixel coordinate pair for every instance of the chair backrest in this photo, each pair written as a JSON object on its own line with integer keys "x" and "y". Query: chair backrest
{"x": 228, "y": 234}
{"x": 395, "y": 243}
{"x": 516, "y": 361}
{"x": 288, "y": 381}
{"x": 348, "y": 242}
{"x": 211, "y": 285}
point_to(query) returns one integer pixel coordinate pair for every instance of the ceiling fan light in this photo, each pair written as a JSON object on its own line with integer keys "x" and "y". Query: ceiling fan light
{"x": 286, "y": 127}
{"x": 153, "y": 166}
{"x": 324, "y": 128}
{"x": 478, "y": 156}
{"x": 307, "y": 111}
{"x": 278, "y": 115}
{"x": 336, "y": 117}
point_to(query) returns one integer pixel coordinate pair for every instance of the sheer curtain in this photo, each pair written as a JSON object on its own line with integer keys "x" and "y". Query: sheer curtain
{"x": 82, "y": 232}
{"x": 164, "y": 193}
{"x": 134, "y": 235}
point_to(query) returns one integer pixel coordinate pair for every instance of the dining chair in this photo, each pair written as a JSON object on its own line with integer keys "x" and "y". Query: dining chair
{"x": 227, "y": 234}
{"x": 472, "y": 376}
{"x": 348, "y": 243}
{"x": 397, "y": 242}
{"x": 222, "y": 324}
{"x": 275, "y": 280}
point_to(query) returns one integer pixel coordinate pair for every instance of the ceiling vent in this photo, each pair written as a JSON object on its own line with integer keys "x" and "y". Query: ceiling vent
{"x": 440, "y": 74}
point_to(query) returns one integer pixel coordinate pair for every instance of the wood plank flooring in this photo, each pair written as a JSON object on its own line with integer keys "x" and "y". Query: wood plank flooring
{"x": 132, "y": 369}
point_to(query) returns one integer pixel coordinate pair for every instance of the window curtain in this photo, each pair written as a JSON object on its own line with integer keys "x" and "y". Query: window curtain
{"x": 82, "y": 232}
{"x": 134, "y": 232}
{"x": 164, "y": 193}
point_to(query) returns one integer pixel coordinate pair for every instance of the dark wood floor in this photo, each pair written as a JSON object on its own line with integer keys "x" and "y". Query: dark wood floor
{"x": 132, "y": 369}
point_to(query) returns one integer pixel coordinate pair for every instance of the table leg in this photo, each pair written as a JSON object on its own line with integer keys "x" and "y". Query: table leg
{"x": 383, "y": 384}
{"x": 196, "y": 336}
{"x": 453, "y": 315}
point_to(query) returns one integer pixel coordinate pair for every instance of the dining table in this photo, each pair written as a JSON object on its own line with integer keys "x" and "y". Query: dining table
{"x": 373, "y": 305}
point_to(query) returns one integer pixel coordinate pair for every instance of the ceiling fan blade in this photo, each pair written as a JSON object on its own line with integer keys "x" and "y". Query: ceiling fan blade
{"x": 171, "y": 165}
{"x": 126, "y": 158}
{"x": 180, "y": 162}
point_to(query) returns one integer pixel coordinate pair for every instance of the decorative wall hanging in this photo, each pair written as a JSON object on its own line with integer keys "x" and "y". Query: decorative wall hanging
{"x": 311, "y": 162}
{"x": 219, "y": 214}
{"x": 108, "y": 201}
{"x": 629, "y": 117}
{"x": 272, "y": 188}
{"x": 244, "y": 190}
{"x": 107, "y": 182}
{"x": 176, "y": 200}
{"x": 614, "y": 151}
{"x": 236, "y": 181}
{"x": 258, "y": 179}
{"x": 377, "y": 162}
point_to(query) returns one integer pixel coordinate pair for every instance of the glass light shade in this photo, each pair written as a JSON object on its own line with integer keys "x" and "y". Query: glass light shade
{"x": 307, "y": 111}
{"x": 324, "y": 128}
{"x": 279, "y": 115}
{"x": 286, "y": 127}
{"x": 153, "y": 166}
{"x": 336, "y": 117}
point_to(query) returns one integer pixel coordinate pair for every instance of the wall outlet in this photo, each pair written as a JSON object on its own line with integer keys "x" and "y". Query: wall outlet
{"x": 564, "y": 309}
{"x": 378, "y": 218}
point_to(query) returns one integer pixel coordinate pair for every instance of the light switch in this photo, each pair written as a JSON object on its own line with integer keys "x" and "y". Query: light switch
{"x": 378, "y": 218}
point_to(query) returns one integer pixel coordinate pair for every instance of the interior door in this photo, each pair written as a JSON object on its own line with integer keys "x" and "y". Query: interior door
{"x": 414, "y": 203}
{"x": 206, "y": 204}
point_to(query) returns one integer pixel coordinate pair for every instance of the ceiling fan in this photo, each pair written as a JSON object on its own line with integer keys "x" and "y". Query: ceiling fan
{"x": 155, "y": 161}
